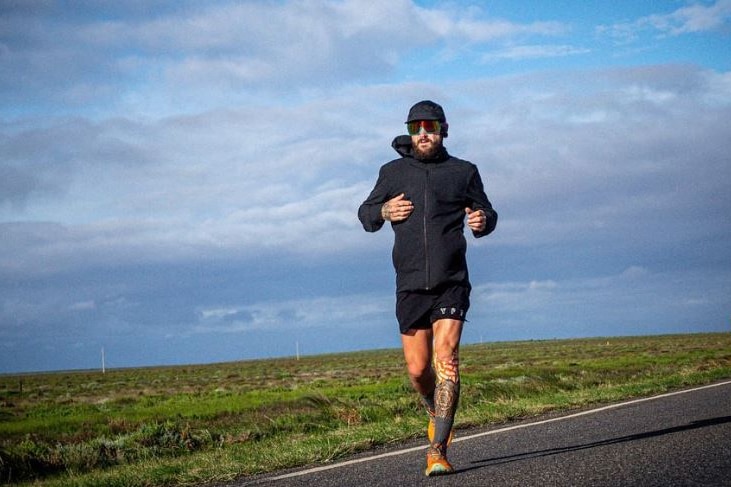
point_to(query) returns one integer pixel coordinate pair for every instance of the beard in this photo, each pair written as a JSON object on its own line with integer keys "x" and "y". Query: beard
{"x": 425, "y": 153}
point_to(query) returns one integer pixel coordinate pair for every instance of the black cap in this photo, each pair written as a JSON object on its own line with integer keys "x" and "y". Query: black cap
{"x": 426, "y": 110}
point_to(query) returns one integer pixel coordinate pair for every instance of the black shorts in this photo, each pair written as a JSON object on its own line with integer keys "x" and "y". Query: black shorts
{"x": 418, "y": 310}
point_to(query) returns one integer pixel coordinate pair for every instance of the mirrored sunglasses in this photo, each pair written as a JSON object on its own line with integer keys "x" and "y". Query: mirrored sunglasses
{"x": 429, "y": 126}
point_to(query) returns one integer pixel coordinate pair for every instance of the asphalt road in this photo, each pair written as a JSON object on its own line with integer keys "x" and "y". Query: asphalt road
{"x": 677, "y": 439}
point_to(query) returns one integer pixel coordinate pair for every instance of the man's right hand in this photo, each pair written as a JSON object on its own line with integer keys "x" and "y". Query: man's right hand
{"x": 397, "y": 209}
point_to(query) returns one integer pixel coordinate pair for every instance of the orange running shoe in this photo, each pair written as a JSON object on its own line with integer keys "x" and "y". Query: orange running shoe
{"x": 436, "y": 462}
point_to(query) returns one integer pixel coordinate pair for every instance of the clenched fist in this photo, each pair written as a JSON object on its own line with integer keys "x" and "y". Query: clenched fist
{"x": 476, "y": 220}
{"x": 397, "y": 209}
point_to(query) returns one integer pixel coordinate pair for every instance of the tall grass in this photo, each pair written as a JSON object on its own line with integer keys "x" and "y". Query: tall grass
{"x": 195, "y": 424}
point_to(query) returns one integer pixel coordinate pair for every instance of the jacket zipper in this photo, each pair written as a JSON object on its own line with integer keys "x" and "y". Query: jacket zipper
{"x": 426, "y": 239}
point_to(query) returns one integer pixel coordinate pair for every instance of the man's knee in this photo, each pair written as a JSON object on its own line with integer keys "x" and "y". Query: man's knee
{"x": 419, "y": 371}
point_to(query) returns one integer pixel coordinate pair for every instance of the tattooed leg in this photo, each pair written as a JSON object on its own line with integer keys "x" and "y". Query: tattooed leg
{"x": 446, "y": 397}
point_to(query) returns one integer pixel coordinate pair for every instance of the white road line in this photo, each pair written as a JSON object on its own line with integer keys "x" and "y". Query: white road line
{"x": 486, "y": 433}
{"x": 591, "y": 411}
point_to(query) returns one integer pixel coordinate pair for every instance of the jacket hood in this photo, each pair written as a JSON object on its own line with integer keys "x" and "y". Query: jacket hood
{"x": 402, "y": 145}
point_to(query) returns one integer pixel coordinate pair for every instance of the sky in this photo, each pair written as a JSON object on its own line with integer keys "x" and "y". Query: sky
{"x": 179, "y": 180}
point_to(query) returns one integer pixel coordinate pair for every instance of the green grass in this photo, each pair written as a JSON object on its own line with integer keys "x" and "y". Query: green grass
{"x": 193, "y": 425}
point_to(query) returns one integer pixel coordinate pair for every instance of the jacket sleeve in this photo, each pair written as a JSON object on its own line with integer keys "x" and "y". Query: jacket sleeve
{"x": 369, "y": 212}
{"x": 477, "y": 200}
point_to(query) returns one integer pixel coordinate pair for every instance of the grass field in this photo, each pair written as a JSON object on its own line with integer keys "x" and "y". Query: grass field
{"x": 192, "y": 425}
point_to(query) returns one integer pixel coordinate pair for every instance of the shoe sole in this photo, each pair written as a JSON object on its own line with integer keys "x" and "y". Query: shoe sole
{"x": 438, "y": 470}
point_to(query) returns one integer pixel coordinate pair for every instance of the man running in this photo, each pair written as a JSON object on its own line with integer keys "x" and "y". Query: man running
{"x": 427, "y": 194}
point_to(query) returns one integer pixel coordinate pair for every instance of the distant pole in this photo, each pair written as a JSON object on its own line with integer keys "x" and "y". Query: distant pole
{"x": 104, "y": 366}
{"x": 297, "y": 348}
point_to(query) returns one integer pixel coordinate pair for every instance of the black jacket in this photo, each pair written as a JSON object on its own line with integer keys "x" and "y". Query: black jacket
{"x": 429, "y": 247}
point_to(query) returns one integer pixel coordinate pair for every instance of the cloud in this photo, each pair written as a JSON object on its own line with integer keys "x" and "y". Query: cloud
{"x": 220, "y": 52}
{"x": 83, "y": 306}
{"x": 200, "y": 56}
{"x": 541, "y": 51}
{"x": 603, "y": 153}
{"x": 468, "y": 25}
{"x": 614, "y": 156}
{"x": 694, "y": 18}
{"x": 671, "y": 301}
{"x": 295, "y": 314}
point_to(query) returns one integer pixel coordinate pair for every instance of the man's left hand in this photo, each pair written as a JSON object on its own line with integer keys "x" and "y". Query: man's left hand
{"x": 476, "y": 220}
